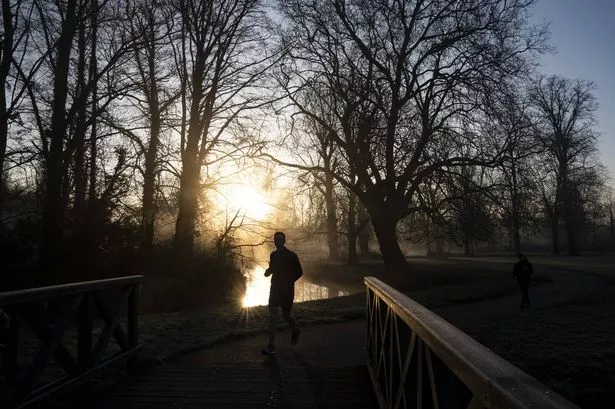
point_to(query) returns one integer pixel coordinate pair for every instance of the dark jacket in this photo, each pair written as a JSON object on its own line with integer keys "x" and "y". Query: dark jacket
{"x": 522, "y": 271}
{"x": 285, "y": 268}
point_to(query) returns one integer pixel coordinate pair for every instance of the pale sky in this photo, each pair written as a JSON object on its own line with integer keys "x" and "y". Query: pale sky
{"x": 583, "y": 32}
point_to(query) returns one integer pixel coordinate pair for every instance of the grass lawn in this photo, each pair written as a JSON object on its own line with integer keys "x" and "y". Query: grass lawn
{"x": 570, "y": 348}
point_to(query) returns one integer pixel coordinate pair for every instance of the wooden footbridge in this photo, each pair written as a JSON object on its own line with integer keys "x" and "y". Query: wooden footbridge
{"x": 401, "y": 356}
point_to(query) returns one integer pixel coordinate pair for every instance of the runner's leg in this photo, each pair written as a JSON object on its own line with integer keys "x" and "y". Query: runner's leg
{"x": 273, "y": 323}
{"x": 288, "y": 318}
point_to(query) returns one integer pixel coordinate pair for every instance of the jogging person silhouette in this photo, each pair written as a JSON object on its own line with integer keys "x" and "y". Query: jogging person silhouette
{"x": 284, "y": 269}
{"x": 522, "y": 272}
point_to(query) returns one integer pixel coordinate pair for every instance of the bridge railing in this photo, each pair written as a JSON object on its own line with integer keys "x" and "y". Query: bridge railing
{"x": 52, "y": 317}
{"x": 418, "y": 360}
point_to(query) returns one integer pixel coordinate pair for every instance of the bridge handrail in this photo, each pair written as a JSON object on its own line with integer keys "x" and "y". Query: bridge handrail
{"x": 59, "y": 290}
{"x": 49, "y": 312}
{"x": 492, "y": 381}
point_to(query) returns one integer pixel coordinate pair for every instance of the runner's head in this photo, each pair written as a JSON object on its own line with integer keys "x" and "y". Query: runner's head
{"x": 279, "y": 239}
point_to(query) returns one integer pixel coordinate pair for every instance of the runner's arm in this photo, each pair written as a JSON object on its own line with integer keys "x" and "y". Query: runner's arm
{"x": 268, "y": 272}
{"x": 298, "y": 267}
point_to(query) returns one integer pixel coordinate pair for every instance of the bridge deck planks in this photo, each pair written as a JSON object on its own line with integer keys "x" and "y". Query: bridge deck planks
{"x": 243, "y": 386}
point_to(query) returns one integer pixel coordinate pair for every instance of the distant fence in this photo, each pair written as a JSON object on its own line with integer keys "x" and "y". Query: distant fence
{"x": 418, "y": 360}
{"x": 61, "y": 321}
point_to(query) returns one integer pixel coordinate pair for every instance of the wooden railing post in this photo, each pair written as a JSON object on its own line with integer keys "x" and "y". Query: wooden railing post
{"x": 84, "y": 335}
{"x": 84, "y": 343}
{"x": 10, "y": 353}
{"x": 133, "y": 321}
{"x": 51, "y": 312}
{"x": 439, "y": 366}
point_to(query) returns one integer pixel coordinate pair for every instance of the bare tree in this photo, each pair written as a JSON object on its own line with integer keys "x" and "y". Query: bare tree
{"x": 221, "y": 58}
{"x": 315, "y": 147}
{"x": 80, "y": 127}
{"x": 474, "y": 215}
{"x": 68, "y": 95}
{"x": 364, "y": 226}
{"x": 15, "y": 33}
{"x": 590, "y": 185}
{"x": 566, "y": 110}
{"x": 53, "y": 209}
{"x": 610, "y": 202}
{"x": 309, "y": 205}
{"x": 351, "y": 229}
{"x": 152, "y": 28}
{"x": 405, "y": 76}
{"x": 510, "y": 119}
{"x": 326, "y": 151}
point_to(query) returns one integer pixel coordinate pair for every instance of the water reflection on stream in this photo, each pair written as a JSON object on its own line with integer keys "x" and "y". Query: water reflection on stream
{"x": 257, "y": 292}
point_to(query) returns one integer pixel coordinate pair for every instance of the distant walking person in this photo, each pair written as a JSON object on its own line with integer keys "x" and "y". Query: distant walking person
{"x": 522, "y": 272}
{"x": 285, "y": 269}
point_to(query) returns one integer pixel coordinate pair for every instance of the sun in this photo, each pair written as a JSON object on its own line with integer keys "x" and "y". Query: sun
{"x": 257, "y": 291}
{"x": 247, "y": 200}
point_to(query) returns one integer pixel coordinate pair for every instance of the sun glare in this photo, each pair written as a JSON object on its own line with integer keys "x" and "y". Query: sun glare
{"x": 257, "y": 291}
{"x": 246, "y": 199}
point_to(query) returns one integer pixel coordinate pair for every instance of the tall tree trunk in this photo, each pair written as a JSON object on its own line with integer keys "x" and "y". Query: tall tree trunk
{"x": 149, "y": 180}
{"x": 364, "y": 232}
{"x": 93, "y": 129}
{"x": 570, "y": 235}
{"x": 555, "y": 231}
{"x": 5, "y": 65}
{"x": 385, "y": 230}
{"x": 611, "y": 226}
{"x": 568, "y": 210}
{"x": 53, "y": 210}
{"x": 514, "y": 194}
{"x": 79, "y": 205}
{"x": 565, "y": 204}
{"x": 92, "y": 220}
{"x": 570, "y": 222}
{"x": 552, "y": 213}
{"x": 439, "y": 247}
{"x": 516, "y": 235}
{"x": 352, "y": 229}
{"x": 332, "y": 242}
{"x": 3, "y": 142}
{"x": 189, "y": 181}
{"x": 466, "y": 247}
{"x": 150, "y": 86}
{"x": 151, "y": 157}
{"x": 188, "y": 205}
